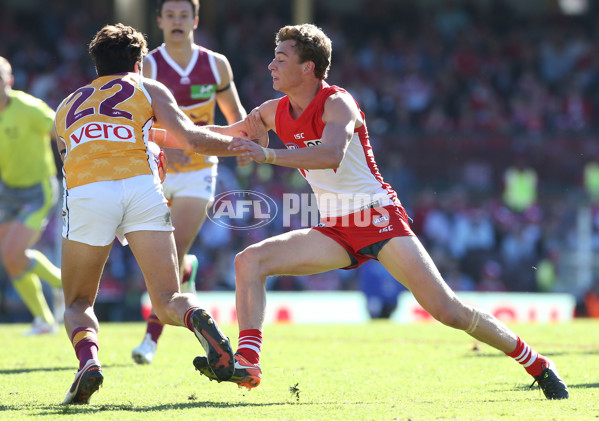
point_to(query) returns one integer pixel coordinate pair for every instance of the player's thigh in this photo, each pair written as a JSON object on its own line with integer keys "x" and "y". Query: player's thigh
{"x": 155, "y": 253}
{"x": 16, "y": 238}
{"x": 407, "y": 261}
{"x": 81, "y": 269}
{"x": 188, "y": 215}
{"x": 299, "y": 252}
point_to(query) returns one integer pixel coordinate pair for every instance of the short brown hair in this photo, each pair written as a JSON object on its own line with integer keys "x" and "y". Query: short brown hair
{"x": 195, "y": 6}
{"x": 311, "y": 44}
{"x": 116, "y": 49}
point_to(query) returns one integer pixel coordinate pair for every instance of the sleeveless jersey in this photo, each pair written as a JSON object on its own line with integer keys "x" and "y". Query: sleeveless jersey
{"x": 357, "y": 183}
{"x": 194, "y": 88}
{"x": 105, "y": 126}
{"x": 26, "y": 157}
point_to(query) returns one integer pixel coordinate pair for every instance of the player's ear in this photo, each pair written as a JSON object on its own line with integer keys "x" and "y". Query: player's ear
{"x": 308, "y": 67}
{"x": 137, "y": 67}
{"x": 195, "y": 22}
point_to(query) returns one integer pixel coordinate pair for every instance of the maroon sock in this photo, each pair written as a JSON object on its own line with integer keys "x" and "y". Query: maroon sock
{"x": 85, "y": 342}
{"x": 531, "y": 360}
{"x": 187, "y": 317}
{"x": 186, "y": 272}
{"x": 154, "y": 328}
{"x": 250, "y": 344}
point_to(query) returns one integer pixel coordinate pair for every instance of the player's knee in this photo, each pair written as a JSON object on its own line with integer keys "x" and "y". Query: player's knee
{"x": 247, "y": 263}
{"x": 74, "y": 308}
{"x": 15, "y": 261}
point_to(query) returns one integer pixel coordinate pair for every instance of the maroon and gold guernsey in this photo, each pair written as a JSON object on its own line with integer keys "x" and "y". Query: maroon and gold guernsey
{"x": 105, "y": 128}
{"x": 194, "y": 88}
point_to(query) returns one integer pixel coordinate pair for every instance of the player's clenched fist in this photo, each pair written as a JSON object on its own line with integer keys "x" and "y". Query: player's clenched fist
{"x": 247, "y": 148}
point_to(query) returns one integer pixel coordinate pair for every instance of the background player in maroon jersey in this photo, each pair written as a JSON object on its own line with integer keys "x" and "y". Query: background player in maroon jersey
{"x": 199, "y": 79}
{"x": 325, "y": 133}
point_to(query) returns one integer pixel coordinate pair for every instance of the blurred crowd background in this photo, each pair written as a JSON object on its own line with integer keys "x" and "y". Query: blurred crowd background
{"x": 483, "y": 115}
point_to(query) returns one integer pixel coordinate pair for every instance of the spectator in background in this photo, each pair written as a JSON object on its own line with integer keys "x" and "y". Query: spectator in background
{"x": 491, "y": 278}
{"x": 28, "y": 191}
{"x": 546, "y": 271}
{"x": 520, "y": 185}
{"x": 380, "y": 288}
{"x": 591, "y": 179}
{"x": 473, "y": 239}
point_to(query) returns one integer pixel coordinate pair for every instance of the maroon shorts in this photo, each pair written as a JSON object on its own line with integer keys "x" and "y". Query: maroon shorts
{"x": 362, "y": 234}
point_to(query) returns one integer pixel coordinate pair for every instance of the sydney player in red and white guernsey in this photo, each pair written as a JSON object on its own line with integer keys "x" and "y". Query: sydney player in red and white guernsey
{"x": 199, "y": 79}
{"x": 326, "y": 138}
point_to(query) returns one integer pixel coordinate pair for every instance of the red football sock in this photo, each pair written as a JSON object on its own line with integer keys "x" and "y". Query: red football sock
{"x": 250, "y": 343}
{"x": 532, "y": 361}
{"x": 85, "y": 342}
{"x": 155, "y": 327}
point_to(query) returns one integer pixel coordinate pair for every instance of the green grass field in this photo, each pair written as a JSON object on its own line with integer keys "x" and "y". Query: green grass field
{"x": 378, "y": 371}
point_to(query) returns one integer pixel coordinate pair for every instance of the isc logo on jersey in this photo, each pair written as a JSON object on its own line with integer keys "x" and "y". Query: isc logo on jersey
{"x": 102, "y": 131}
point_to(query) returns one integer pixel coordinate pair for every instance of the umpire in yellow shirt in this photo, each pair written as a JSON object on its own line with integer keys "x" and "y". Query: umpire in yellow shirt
{"x": 28, "y": 191}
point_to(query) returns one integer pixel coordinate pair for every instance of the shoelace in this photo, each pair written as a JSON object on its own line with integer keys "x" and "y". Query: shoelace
{"x": 533, "y": 383}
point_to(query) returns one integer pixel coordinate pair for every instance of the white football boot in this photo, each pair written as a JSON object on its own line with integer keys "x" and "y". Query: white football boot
{"x": 144, "y": 352}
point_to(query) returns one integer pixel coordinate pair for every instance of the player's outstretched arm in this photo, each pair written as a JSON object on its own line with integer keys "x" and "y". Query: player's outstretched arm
{"x": 181, "y": 132}
{"x": 340, "y": 117}
{"x": 253, "y": 126}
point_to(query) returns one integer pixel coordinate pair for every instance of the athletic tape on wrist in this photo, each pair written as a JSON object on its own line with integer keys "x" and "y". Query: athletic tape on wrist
{"x": 270, "y": 155}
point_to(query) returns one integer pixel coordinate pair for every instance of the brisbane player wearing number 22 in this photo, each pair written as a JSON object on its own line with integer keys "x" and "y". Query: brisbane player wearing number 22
{"x": 112, "y": 188}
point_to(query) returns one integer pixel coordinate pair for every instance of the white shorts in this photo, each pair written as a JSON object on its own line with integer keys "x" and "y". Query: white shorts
{"x": 97, "y": 212}
{"x": 201, "y": 183}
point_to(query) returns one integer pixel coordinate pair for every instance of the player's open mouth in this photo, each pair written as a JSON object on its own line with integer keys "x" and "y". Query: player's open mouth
{"x": 176, "y": 31}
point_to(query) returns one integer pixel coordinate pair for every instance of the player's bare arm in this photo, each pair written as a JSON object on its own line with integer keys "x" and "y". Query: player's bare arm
{"x": 182, "y": 132}
{"x": 146, "y": 68}
{"x": 251, "y": 127}
{"x": 340, "y": 117}
{"x": 227, "y": 96}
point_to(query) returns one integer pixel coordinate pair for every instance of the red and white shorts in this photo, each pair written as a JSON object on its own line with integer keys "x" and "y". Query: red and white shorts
{"x": 362, "y": 234}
